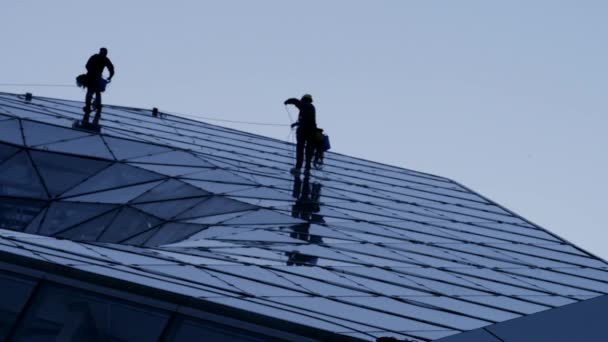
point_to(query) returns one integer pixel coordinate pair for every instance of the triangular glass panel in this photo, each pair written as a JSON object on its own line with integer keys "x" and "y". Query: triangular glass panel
{"x": 262, "y": 192}
{"x": 219, "y": 175}
{"x": 171, "y": 189}
{"x": 168, "y": 209}
{"x": 169, "y": 170}
{"x": 63, "y": 215}
{"x": 127, "y": 224}
{"x": 10, "y": 131}
{"x": 216, "y": 219}
{"x": 127, "y": 149}
{"x": 264, "y": 216}
{"x": 7, "y": 151}
{"x": 90, "y": 230}
{"x": 114, "y": 176}
{"x": 91, "y": 146}
{"x": 262, "y": 236}
{"x": 180, "y": 158}
{"x": 141, "y": 238}
{"x": 19, "y": 178}
{"x": 34, "y": 225}
{"x": 17, "y": 214}
{"x": 216, "y": 187}
{"x": 118, "y": 196}
{"x": 173, "y": 232}
{"x": 214, "y": 206}
{"x": 61, "y": 172}
{"x": 41, "y": 134}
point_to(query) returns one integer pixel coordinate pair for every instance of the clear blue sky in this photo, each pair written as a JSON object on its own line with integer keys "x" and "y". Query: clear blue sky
{"x": 505, "y": 97}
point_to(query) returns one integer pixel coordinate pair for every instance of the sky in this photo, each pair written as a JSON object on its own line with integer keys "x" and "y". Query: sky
{"x": 506, "y": 98}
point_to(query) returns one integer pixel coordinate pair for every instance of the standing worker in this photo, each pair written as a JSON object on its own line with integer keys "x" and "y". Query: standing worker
{"x": 305, "y": 134}
{"x": 96, "y": 84}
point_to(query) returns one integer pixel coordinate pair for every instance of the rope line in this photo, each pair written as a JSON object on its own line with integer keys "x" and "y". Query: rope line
{"x": 51, "y": 85}
{"x": 227, "y": 120}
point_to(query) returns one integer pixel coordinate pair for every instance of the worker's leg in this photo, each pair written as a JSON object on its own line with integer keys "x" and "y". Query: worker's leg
{"x": 301, "y": 142}
{"x": 87, "y": 106}
{"x": 310, "y": 149}
{"x": 98, "y": 108}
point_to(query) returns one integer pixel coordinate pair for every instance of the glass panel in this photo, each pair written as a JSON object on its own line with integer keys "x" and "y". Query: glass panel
{"x": 168, "y": 209}
{"x": 63, "y": 215}
{"x": 61, "y": 172}
{"x": 171, "y": 189}
{"x": 219, "y": 175}
{"x": 190, "y": 330}
{"x": 173, "y": 232}
{"x": 16, "y": 214}
{"x": 584, "y": 321}
{"x": 215, "y": 218}
{"x": 88, "y": 146}
{"x": 477, "y": 335}
{"x": 169, "y": 170}
{"x": 10, "y": 131}
{"x": 34, "y": 225}
{"x": 358, "y": 314}
{"x": 66, "y": 314}
{"x": 214, "y": 206}
{"x": 455, "y": 304}
{"x": 19, "y": 178}
{"x": 7, "y": 151}
{"x": 141, "y": 238}
{"x": 127, "y": 149}
{"x": 264, "y": 216}
{"x": 217, "y": 187}
{"x": 174, "y": 158}
{"x": 90, "y": 230}
{"x": 115, "y": 176}
{"x": 41, "y": 134}
{"x": 119, "y": 196}
{"x": 128, "y": 223}
{"x": 424, "y": 312}
{"x": 15, "y": 292}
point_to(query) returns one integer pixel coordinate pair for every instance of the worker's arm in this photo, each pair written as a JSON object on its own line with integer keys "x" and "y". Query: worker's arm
{"x": 293, "y": 101}
{"x": 89, "y": 65}
{"x": 110, "y": 67}
{"x": 297, "y": 103}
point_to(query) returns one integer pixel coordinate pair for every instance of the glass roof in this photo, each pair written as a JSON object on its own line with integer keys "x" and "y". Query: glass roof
{"x": 357, "y": 248}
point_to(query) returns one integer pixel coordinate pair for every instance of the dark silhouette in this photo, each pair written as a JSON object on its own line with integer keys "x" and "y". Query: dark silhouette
{"x": 305, "y": 134}
{"x": 306, "y": 207}
{"x": 319, "y": 149}
{"x": 95, "y": 83}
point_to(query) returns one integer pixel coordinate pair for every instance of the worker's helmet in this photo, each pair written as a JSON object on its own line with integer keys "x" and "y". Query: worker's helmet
{"x": 103, "y": 51}
{"x": 307, "y": 98}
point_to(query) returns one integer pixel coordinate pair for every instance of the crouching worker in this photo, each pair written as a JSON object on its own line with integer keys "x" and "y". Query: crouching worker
{"x": 305, "y": 133}
{"x": 95, "y": 83}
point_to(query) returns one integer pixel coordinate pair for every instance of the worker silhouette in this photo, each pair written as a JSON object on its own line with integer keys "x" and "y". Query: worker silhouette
{"x": 96, "y": 84}
{"x": 305, "y": 133}
{"x": 306, "y": 207}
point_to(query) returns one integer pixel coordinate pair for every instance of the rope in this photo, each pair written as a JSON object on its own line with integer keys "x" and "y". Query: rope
{"x": 226, "y": 120}
{"x": 50, "y": 85}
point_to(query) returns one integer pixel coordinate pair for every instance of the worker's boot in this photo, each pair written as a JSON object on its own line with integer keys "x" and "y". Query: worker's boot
{"x": 97, "y": 117}
{"x": 87, "y": 114}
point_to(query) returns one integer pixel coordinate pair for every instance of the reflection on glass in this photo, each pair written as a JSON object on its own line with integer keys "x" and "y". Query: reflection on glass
{"x": 66, "y": 314}
{"x": 307, "y": 208}
{"x": 16, "y": 213}
{"x": 15, "y": 292}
